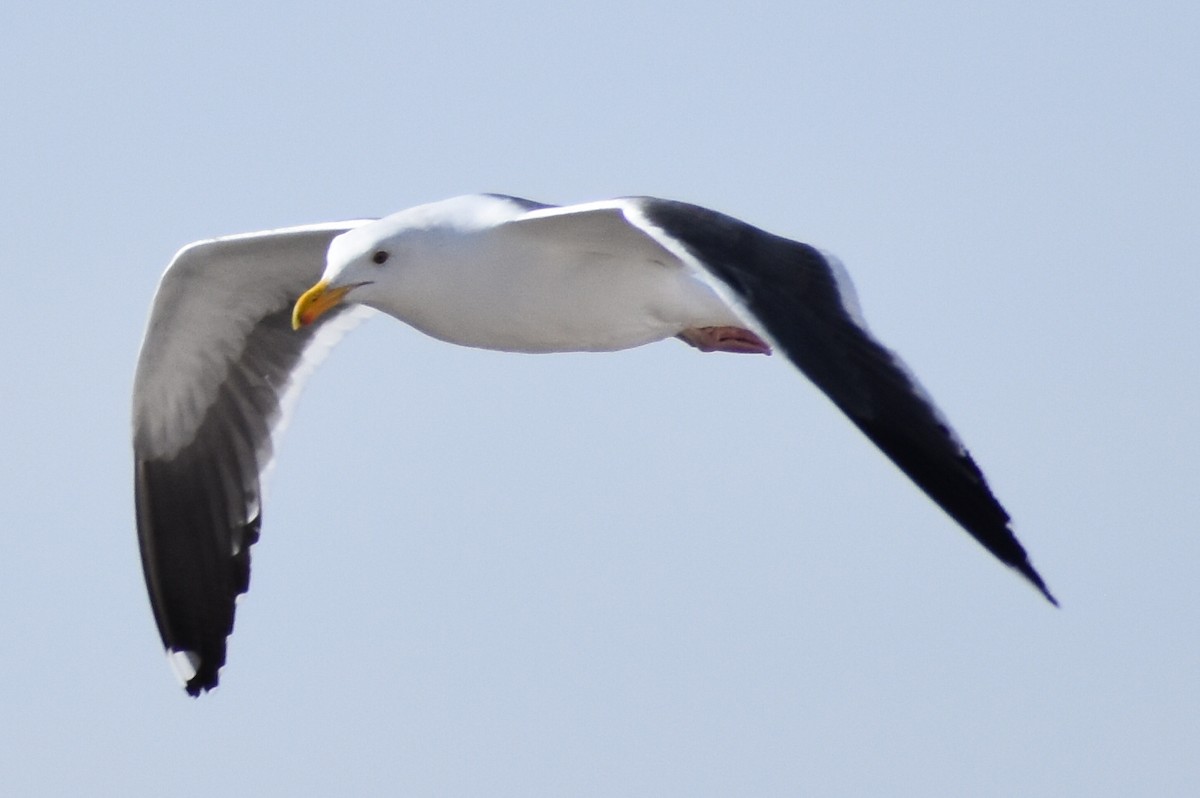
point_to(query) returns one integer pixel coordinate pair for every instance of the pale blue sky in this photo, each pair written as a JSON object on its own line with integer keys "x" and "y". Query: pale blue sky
{"x": 649, "y": 573}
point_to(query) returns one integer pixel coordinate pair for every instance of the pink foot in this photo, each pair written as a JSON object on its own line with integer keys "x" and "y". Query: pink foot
{"x": 724, "y": 339}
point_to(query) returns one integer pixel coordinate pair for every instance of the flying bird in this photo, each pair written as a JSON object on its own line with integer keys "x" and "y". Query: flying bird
{"x": 239, "y": 322}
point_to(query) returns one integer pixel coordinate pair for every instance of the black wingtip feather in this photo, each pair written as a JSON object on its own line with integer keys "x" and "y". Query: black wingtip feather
{"x": 1029, "y": 572}
{"x": 206, "y": 678}
{"x": 793, "y": 291}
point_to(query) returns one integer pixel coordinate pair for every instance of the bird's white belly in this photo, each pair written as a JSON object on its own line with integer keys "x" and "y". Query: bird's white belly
{"x": 529, "y": 302}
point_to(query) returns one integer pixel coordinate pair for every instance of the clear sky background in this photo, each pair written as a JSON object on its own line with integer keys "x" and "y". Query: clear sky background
{"x": 647, "y": 573}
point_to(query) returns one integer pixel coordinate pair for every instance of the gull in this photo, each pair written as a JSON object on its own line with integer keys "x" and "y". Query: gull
{"x": 238, "y": 323}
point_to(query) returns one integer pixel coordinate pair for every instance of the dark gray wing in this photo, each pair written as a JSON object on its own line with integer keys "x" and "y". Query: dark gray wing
{"x": 793, "y": 291}
{"x": 520, "y": 202}
{"x": 216, "y": 368}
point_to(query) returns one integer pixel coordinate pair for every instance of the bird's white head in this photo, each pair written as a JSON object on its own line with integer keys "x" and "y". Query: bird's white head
{"x": 357, "y": 261}
{"x": 368, "y": 264}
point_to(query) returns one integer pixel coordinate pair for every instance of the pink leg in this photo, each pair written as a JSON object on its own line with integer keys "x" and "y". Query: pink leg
{"x": 724, "y": 339}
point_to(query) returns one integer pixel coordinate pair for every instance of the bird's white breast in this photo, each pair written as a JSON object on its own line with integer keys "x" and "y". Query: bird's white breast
{"x": 500, "y": 289}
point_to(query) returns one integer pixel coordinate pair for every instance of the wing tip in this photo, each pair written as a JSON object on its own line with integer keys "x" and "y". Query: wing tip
{"x": 1030, "y": 573}
{"x": 193, "y": 671}
{"x": 198, "y": 686}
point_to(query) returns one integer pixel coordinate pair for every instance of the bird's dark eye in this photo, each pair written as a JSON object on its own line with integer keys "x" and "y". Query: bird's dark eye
{"x": 380, "y": 257}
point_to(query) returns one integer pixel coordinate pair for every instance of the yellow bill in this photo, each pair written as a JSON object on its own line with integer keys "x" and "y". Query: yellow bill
{"x": 316, "y": 302}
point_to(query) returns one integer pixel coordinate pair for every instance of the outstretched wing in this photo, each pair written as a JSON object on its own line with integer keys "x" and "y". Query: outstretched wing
{"x": 804, "y": 301}
{"x": 217, "y": 368}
